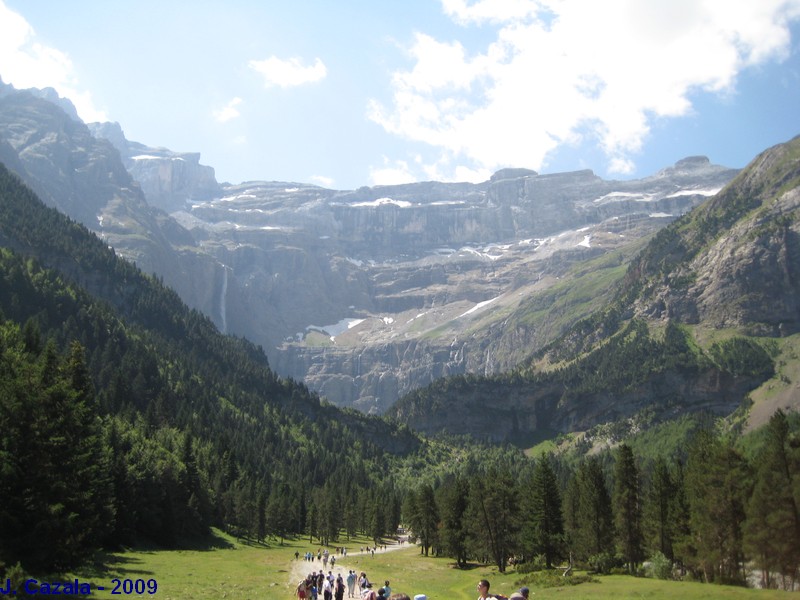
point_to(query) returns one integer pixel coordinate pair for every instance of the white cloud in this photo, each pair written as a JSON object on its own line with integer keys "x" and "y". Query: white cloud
{"x": 26, "y": 63}
{"x": 564, "y": 72}
{"x": 229, "y": 111}
{"x": 392, "y": 173}
{"x": 496, "y": 11}
{"x": 326, "y": 182}
{"x": 290, "y": 72}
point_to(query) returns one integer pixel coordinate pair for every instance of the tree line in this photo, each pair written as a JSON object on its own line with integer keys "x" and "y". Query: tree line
{"x": 713, "y": 516}
{"x": 128, "y": 417}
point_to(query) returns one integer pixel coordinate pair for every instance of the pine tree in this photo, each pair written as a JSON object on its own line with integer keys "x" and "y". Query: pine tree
{"x": 716, "y": 485}
{"x": 659, "y": 510}
{"x": 543, "y": 528}
{"x": 772, "y": 530}
{"x": 423, "y": 516}
{"x": 494, "y": 517}
{"x": 55, "y": 468}
{"x": 454, "y": 501}
{"x": 591, "y": 518}
{"x": 627, "y": 508}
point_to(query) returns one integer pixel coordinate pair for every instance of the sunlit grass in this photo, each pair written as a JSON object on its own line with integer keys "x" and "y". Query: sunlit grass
{"x": 229, "y": 568}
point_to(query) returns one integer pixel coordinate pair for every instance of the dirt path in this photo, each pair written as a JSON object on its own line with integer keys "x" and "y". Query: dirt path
{"x": 299, "y": 569}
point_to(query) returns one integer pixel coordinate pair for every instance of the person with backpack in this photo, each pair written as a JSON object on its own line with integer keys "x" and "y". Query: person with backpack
{"x": 483, "y": 590}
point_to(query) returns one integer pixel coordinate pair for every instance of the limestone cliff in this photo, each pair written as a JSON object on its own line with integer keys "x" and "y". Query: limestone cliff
{"x": 729, "y": 267}
{"x": 366, "y": 294}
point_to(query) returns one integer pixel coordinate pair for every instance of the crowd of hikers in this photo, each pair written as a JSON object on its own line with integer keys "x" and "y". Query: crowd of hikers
{"x": 321, "y": 586}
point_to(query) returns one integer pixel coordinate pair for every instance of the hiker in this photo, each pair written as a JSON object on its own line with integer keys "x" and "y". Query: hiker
{"x": 338, "y": 593}
{"x": 327, "y": 592}
{"x": 369, "y": 593}
{"x": 363, "y": 583}
{"x": 483, "y": 589}
{"x": 351, "y": 583}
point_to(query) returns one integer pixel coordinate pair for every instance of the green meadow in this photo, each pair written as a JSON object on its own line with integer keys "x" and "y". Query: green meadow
{"x": 230, "y": 568}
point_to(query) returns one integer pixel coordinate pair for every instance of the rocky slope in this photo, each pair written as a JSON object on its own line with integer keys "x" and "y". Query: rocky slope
{"x": 364, "y": 294}
{"x": 380, "y": 290}
{"x": 736, "y": 262}
{"x": 728, "y": 268}
{"x": 55, "y": 154}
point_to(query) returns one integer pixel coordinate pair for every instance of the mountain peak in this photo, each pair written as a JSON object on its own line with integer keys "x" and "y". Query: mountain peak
{"x": 692, "y": 162}
{"x": 512, "y": 173}
{"x": 731, "y": 262}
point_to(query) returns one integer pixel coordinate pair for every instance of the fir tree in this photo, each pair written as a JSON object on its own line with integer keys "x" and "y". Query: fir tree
{"x": 543, "y": 528}
{"x": 772, "y": 531}
{"x": 627, "y": 508}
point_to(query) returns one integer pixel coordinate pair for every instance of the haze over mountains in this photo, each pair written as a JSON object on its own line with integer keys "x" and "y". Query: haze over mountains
{"x": 364, "y": 294}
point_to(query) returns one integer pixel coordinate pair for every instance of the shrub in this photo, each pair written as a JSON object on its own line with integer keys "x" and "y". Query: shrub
{"x": 603, "y": 563}
{"x": 659, "y": 567}
{"x": 549, "y": 578}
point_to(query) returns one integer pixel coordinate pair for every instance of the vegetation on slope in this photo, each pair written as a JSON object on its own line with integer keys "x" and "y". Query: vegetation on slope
{"x": 194, "y": 427}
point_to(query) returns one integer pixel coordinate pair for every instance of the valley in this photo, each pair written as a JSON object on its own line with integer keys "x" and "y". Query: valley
{"x": 368, "y": 294}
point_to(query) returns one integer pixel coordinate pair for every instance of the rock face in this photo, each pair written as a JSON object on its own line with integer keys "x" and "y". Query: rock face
{"x": 57, "y": 156}
{"x": 733, "y": 263}
{"x": 737, "y": 263}
{"x": 502, "y": 411}
{"x": 368, "y": 294}
{"x": 364, "y": 294}
{"x": 168, "y": 179}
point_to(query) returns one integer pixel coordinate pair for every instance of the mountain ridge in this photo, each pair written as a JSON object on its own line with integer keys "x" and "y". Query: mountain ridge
{"x": 730, "y": 264}
{"x": 420, "y": 270}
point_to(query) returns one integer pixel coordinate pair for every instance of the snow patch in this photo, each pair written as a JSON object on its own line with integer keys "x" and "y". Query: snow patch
{"x": 237, "y": 197}
{"x": 619, "y": 196}
{"x": 587, "y": 241}
{"x": 337, "y": 328}
{"x": 659, "y": 215}
{"x": 151, "y": 157}
{"x": 383, "y": 202}
{"x": 708, "y": 192}
{"x": 477, "y": 307}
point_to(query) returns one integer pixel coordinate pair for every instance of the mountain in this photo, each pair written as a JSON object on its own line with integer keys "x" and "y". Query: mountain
{"x": 704, "y": 315}
{"x": 57, "y": 156}
{"x": 363, "y": 294}
{"x": 168, "y": 179}
{"x": 162, "y": 426}
{"x": 370, "y": 293}
{"x": 734, "y": 262}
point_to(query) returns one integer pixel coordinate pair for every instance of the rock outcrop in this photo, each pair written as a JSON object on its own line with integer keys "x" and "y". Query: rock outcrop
{"x": 365, "y": 294}
{"x": 168, "y": 179}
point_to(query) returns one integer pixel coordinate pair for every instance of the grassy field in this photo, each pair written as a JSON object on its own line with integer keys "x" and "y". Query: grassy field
{"x": 227, "y": 568}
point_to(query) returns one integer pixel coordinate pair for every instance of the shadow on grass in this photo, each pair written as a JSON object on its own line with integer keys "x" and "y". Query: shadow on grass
{"x": 469, "y": 566}
{"x": 106, "y": 565}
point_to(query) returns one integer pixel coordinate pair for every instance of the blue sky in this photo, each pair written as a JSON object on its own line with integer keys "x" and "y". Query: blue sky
{"x": 351, "y": 93}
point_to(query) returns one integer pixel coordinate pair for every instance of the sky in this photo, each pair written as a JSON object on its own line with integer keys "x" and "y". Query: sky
{"x": 374, "y": 92}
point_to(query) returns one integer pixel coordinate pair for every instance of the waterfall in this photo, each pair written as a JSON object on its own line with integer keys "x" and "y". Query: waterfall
{"x": 223, "y": 294}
